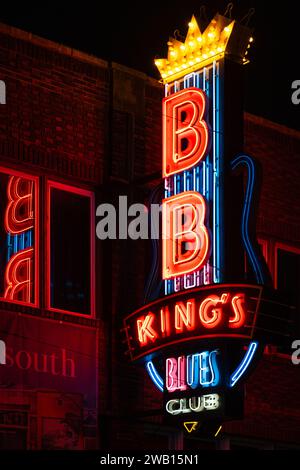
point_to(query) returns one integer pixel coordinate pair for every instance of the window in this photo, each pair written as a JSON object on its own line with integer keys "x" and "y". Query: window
{"x": 70, "y": 274}
{"x": 287, "y": 272}
{"x": 287, "y": 281}
{"x": 18, "y": 237}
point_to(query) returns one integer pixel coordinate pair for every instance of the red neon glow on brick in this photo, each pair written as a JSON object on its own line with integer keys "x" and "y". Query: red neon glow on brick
{"x": 18, "y": 276}
{"x": 185, "y": 315}
{"x": 238, "y": 302}
{"x": 145, "y": 331}
{"x": 19, "y": 214}
{"x": 185, "y": 236}
{"x": 211, "y": 310}
{"x": 185, "y": 132}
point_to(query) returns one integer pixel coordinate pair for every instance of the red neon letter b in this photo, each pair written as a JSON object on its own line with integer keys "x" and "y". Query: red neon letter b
{"x": 19, "y": 212}
{"x": 18, "y": 276}
{"x": 185, "y": 237}
{"x": 185, "y": 133}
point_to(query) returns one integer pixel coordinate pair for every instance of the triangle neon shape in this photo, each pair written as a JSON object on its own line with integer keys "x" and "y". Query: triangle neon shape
{"x": 190, "y": 426}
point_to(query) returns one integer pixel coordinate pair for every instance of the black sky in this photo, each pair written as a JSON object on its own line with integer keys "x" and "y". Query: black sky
{"x": 133, "y": 33}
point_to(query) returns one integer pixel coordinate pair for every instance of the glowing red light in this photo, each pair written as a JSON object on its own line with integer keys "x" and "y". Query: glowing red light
{"x": 185, "y": 236}
{"x": 18, "y": 276}
{"x": 185, "y": 132}
{"x": 19, "y": 210}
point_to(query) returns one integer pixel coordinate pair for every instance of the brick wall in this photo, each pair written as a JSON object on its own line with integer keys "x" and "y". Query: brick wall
{"x": 277, "y": 148}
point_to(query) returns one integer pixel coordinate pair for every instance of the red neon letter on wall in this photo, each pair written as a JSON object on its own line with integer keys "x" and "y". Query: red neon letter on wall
{"x": 185, "y": 133}
{"x": 145, "y": 330}
{"x": 185, "y": 237}
{"x": 19, "y": 212}
{"x": 185, "y": 315}
{"x": 18, "y": 276}
{"x": 211, "y": 311}
{"x": 176, "y": 374}
{"x": 237, "y": 303}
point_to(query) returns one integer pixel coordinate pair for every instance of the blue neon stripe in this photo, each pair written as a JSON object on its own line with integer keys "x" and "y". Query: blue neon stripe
{"x": 154, "y": 375}
{"x": 16, "y": 243}
{"x": 216, "y": 175}
{"x": 241, "y": 369}
{"x": 249, "y": 163}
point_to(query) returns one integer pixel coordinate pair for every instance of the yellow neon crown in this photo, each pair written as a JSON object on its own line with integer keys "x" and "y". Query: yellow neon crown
{"x": 223, "y": 36}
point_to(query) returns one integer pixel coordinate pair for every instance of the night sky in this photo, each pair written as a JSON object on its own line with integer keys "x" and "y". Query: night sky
{"x": 134, "y": 33}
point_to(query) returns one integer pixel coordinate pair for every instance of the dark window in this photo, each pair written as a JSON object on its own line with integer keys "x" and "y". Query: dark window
{"x": 70, "y": 251}
{"x": 288, "y": 275}
{"x": 288, "y": 284}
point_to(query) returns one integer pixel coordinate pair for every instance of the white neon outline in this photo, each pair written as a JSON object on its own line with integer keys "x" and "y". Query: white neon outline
{"x": 170, "y": 404}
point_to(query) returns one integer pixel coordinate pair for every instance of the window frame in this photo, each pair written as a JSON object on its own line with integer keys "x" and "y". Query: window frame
{"x": 50, "y": 184}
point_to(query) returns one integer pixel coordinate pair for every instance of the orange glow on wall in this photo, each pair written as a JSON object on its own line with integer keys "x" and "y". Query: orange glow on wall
{"x": 19, "y": 277}
{"x": 185, "y": 131}
{"x": 19, "y": 211}
{"x": 185, "y": 236}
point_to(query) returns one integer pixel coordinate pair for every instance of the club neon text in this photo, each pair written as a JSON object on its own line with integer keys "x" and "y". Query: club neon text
{"x": 193, "y": 404}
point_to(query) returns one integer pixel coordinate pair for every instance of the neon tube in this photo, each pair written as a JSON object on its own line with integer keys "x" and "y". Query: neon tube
{"x": 249, "y": 163}
{"x": 155, "y": 377}
{"x": 244, "y": 364}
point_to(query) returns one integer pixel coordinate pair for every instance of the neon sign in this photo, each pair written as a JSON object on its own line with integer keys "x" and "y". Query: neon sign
{"x": 216, "y": 311}
{"x": 185, "y": 130}
{"x": 192, "y": 371}
{"x": 19, "y": 210}
{"x": 185, "y": 236}
{"x": 199, "y": 336}
{"x": 19, "y": 238}
{"x": 18, "y": 276}
{"x": 193, "y": 405}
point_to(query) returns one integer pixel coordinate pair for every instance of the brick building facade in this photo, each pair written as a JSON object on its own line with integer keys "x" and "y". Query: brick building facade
{"x": 81, "y": 122}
